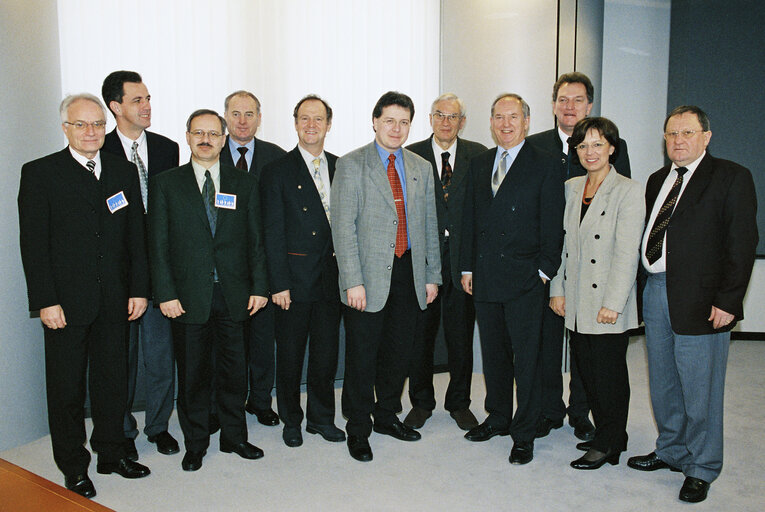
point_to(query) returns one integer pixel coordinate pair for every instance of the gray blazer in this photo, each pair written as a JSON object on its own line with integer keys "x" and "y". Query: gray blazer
{"x": 364, "y": 230}
{"x": 601, "y": 255}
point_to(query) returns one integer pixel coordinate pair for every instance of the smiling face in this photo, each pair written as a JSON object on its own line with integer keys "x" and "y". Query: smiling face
{"x": 89, "y": 139}
{"x": 312, "y": 126}
{"x": 446, "y": 129}
{"x": 594, "y": 151}
{"x": 571, "y": 106}
{"x": 683, "y": 151}
{"x": 392, "y": 127}
{"x": 508, "y": 124}
{"x": 243, "y": 118}
{"x": 205, "y": 148}
{"x": 134, "y": 113}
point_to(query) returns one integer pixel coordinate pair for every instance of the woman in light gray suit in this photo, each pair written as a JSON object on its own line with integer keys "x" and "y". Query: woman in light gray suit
{"x": 595, "y": 287}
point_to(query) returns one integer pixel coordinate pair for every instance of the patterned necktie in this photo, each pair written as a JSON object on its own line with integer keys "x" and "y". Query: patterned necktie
{"x": 499, "y": 175}
{"x": 242, "y": 162}
{"x": 398, "y": 198}
{"x": 320, "y": 186}
{"x": 91, "y": 165}
{"x": 143, "y": 177}
{"x": 208, "y": 194}
{"x": 656, "y": 235}
{"x": 446, "y": 174}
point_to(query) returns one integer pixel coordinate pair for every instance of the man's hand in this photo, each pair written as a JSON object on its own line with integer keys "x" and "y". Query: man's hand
{"x": 357, "y": 297}
{"x": 607, "y": 316}
{"x": 558, "y": 305}
{"x": 431, "y": 291}
{"x": 282, "y": 299}
{"x": 52, "y": 317}
{"x": 136, "y": 307}
{"x": 467, "y": 283}
{"x": 718, "y": 317}
{"x": 172, "y": 308}
{"x": 257, "y": 302}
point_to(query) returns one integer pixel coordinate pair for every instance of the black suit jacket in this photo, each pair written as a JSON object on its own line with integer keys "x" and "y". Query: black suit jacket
{"x": 184, "y": 254}
{"x": 75, "y": 252}
{"x": 711, "y": 243}
{"x": 163, "y": 152}
{"x": 450, "y": 214}
{"x": 265, "y": 153}
{"x": 508, "y": 238}
{"x": 297, "y": 234}
{"x": 570, "y": 167}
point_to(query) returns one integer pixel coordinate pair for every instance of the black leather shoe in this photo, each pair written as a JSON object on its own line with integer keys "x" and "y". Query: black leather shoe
{"x": 213, "y": 424}
{"x": 594, "y": 459}
{"x": 398, "y": 430}
{"x": 359, "y": 448}
{"x": 166, "y": 444}
{"x": 484, "y": 432}
{"x": 694, "y": 490}
{"x": 464, "y": 418}
{"x": 130, "y": 452}
{"x": 329, "y": 432}
{"x": 584, "y": 446}
{"x": 650, "y": 462}
{"x": 265, "y": 417}
{"x": 126, "y": 468}
{"x": 192, "y": 461}
{"x": 80, "y": 484}
{"x": 522, "y": 453}
{"x": 545, "y": 425}
{"x": 583, "y": 427}
{"x": 245, "y": 450}
{"x": 417, "y": 417}
{"x": 292, "y": 436}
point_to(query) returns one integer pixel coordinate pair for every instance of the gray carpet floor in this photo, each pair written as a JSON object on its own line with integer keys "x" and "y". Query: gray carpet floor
{"x": 443, "y": 471}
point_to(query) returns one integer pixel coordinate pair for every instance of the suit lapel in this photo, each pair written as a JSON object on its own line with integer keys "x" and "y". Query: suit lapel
{"x": 303, "y": 176}
{"x": 698, "y": 183}
{"x": 81, "y": 180}
{"x": 379, "y": 175}
{"x": 461, "y": 164}
{"x": 599, "y": 202}
{"x": 414, "y": 181}
{"x": 189, "y": 188}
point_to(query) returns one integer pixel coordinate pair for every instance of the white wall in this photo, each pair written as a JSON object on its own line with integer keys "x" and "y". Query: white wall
{"x": 30, "y": 128}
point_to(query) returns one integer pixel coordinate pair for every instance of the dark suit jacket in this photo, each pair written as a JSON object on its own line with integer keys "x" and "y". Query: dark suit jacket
{"x": 297, "y": 234}
{"x": 265, "y": 153}
{"x": 550, "y": 141}
{"x": 75, "y": 252}
{"x": 711, "y": 243}
{"x": 183, "y": 252}
{"x": 163, "y": 152}
{"x": 450, "y": 216}
{"x": 508, "y": 238}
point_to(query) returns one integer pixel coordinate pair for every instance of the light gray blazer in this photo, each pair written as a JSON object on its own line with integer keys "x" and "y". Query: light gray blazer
{"x": 601, "y": 255}
{"x": 364, "y": 224}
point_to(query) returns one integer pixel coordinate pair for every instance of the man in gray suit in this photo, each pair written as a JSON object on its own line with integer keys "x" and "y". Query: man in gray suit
{"x": 385, "y": 232}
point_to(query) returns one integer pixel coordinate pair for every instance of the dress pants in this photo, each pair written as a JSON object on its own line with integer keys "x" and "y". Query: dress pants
{"x": 687, "y": 379}
{"x": 458, "y": 313}
{"x": 320, "y": 319}
{"x": 261, "y": 358}
{"x": 510, "y": 342}
{"x": 602, "y": 360}
{"x": 195, "y": 345}
{"x": 153, "y": 333}
{"x": 378, "y": 349}
{"x": 98, "y": 350}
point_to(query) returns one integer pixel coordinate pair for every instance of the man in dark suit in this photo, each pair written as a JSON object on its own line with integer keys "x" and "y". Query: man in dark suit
{"x": 449, "y": 155}
{"x": 302, "y": 271}
{"x": 244, "y": 151}
{"x": 84, "y": 255}
{"x": 209, "y": 274}
{"x": 572, "y": 99}
{"x": 697, "y": 252}
{"x": 512, "y": 237}
{"x": 128, "y": 99}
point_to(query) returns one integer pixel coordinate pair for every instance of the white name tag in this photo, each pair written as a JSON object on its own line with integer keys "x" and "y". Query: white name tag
{"x": 117, "y": 202}
{"x": 227, "y": 201}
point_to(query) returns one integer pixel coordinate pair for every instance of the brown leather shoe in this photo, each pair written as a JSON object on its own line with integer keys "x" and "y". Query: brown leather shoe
{"x": 464, "y": 418}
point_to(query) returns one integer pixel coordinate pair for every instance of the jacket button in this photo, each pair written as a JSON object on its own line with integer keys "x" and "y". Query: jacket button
{"x": 603, "y": 212}
{"x": 305, "y": 209}
{"x": 300, "y": 187}
{"x": 502, "y": 234}
{"x": 393, "y": 245}
{"x": 594, "y": 285}
{"x": 592, "y": 261}
{"x": 501, "y": 256}
{"x": 512, "y": 208}
{"x": 388, "y": 267}
{"x": 313, "y": 233}
{"x": 395, "y": 222}
{"x": 597, "y": 237}
{"x": 566, "y": 255}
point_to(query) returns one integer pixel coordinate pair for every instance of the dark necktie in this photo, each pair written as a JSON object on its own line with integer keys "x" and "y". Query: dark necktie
{"x": 91, "y": 165}
{"x": 659, "y": 228}
{"x": 208, "y": 194}
{"x": 398, "y": 198}
{"x": 242, "y": 162}
{"x": 446, "y": 174}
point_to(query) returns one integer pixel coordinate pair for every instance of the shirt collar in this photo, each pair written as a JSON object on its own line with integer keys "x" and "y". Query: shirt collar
{"x": 437, "y": 150}
{"x": 563, "y": 140}
{"x": 199, "y": 170}
{"x": 309, "y": 158}
{"x": 127, "y": 141}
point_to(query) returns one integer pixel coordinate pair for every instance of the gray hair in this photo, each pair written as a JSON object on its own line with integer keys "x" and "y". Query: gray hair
{"x": 524, "y": 106}
{"x": 449, "y": 96}
{"x": 63, "y": 109}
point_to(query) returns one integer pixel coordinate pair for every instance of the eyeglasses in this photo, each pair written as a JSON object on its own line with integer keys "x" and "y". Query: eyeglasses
{"x": 596, "y": 146}
{"x": 82, "y": 125}
{"x": 200, "y": 134}
{"x": 683, "y": 134}
{"x": 440, "y": 116}
{"x": 578, "y": 100}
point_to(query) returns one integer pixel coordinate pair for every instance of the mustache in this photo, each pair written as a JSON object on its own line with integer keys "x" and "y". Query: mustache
{"x": 204, "y": 144}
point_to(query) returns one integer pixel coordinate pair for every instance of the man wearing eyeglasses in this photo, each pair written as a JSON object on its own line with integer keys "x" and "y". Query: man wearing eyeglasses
{"x": 84, "y": 254}
{"x": 449, "y": 156}
{"x": 697, "y": 251}
{"x": 209, "y": 275}
{"x": 245, "y": 151}
{"x": 129, "y": 101}
{"x": 572, "y": 99}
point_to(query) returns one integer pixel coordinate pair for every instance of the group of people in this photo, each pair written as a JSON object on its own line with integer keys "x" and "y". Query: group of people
{"x": 247, "y": 244}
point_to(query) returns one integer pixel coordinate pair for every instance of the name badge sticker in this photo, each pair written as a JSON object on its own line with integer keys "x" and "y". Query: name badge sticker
{"x": 117, "y": 202}
{"x": 227, "y": 201}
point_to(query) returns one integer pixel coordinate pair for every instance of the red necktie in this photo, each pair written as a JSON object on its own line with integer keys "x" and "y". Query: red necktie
{"x": 398, "y": 198}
